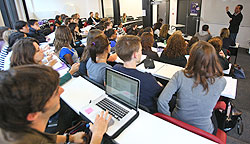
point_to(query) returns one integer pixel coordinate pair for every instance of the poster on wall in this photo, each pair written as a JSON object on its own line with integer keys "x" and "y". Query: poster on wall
{"x": 194, "y": 9}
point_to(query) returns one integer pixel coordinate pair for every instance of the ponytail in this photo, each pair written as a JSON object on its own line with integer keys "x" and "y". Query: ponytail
{"x": 92, "y": 51}
{"x": 98, "y": 46}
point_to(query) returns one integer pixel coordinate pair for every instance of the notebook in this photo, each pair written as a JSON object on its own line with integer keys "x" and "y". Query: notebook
{"x": 121, "y": 99}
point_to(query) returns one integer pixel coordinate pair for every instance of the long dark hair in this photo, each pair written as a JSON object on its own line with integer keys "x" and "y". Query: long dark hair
{"x": 72, "y": 27}
{"x": 203, "y": 65}
{"x": 91, "y": 35}
{"x": 99, "y": 44}
{"x": 63, "y": 37}
{"x": 23, "y": 52}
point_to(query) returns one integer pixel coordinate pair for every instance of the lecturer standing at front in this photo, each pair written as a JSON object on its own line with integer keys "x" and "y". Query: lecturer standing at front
{"x": 235, "y": 21}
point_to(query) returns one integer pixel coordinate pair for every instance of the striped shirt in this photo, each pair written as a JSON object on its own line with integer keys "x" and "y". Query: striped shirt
{"x": 3, "y": 54}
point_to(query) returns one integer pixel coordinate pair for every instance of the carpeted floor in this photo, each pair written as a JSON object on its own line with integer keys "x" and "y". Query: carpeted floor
{"x": 242, "y": 101}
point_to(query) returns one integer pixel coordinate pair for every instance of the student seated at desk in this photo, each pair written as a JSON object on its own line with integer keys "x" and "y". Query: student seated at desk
{"x": 198, "y": 88}
{"x": 108, "y": 25}
{"x": 97, "y": 19}
{"x": 58, "y": 22}
{"x": 175, "y": 51}
{"x": 217, "y": 43}
{"x": 63, "y": 38}
{"x": 204, "y": 34}
{"x": 225, "y": 36}
{"x": 120, "y": 29}
{"x": 193, "y": 40}
{"x": 96, "y": 66}
{"x": 132, "y": 30}
{"x": 4, "y": 50}
{"x": 164, "y": 35}
{"x": 26, "y": 51}
{"x": 35, "y": 32}
{"x": 156, "y": 29}
{"x": 76, "y": 39}
{"x": 85, "y": 56}
{"x": 26, "y": 107}
{"x": 91, "y": 19}
{"x": 22, "y": 26}
{"x": 124, "y": 18}
{"x": 111, "y": 34}
{"x": 129, "y": 49}
{"x": 147, "y": 41}
{"x": 12, "y": 39}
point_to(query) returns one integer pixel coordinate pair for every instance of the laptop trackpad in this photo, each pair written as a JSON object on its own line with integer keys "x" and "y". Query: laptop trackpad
{"x": 111, "y": 122}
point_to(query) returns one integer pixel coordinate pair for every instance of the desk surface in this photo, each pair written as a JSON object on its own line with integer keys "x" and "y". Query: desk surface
{"x": 78, "y": 92}
{"x": 166, "y": 71}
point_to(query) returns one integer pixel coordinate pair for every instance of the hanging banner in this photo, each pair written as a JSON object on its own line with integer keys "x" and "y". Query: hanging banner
{"x": 194, "y": 8}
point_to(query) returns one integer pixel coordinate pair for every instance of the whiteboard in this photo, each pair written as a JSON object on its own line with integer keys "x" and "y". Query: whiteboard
{"x": 214, "y": 11}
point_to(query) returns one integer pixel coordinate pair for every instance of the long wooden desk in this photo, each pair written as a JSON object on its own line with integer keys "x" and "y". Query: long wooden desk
{"x": 146, "y": 129}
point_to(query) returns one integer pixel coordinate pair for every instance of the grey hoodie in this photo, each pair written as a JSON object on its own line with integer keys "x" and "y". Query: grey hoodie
{"x": 203, "y": 35}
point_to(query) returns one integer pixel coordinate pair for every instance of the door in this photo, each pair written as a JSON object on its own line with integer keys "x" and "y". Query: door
{"x": 188, "y": 16}
{"x": 163, "y": 11}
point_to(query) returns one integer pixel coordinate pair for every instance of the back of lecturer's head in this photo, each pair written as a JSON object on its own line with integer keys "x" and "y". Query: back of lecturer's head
{"x": 126, "y": 46}
{"x": 20, "y": 24}
{"x": 23, "y": 90}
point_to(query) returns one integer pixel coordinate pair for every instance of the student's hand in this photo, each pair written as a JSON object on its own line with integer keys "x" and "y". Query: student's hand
{"x": 227, "y": 9}
{"x": 208, "y": 31}
{"x": 77, "y": 137}
{"x": 221, "y": 53}
{"x": 100, "y": 125}
{"x": 74, "y": 68}
{"x": 49, "y": 57}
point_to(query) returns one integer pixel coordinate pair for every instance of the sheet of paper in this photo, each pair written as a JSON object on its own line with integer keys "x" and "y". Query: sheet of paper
{"x": 230, "y": 89}
{"x": 167, "y": 71}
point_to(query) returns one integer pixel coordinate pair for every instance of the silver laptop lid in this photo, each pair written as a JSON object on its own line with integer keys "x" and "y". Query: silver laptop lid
{"x": 123, "y": 88}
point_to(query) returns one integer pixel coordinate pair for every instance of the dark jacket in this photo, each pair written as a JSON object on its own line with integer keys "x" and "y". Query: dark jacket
{"x": 227, "y": 42}
{"x": 37, "y": 35}
{"x": 223, "y": 62}
{"x": 179, "y": 61}
{"x": 90, "y": 21}
{"x": 235, "y": 22}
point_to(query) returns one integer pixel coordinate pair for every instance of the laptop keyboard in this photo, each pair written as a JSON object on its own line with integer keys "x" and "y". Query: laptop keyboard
{"x": 114, "y": 109}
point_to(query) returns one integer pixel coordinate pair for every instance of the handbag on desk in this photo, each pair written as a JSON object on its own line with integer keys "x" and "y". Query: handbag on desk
{"x": 149, "y": 63}
{"x": 238, "y": 72}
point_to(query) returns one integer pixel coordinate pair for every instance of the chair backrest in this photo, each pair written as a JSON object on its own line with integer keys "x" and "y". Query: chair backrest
{"x": 94, "y": 82}
{"x": 219, "y": 138}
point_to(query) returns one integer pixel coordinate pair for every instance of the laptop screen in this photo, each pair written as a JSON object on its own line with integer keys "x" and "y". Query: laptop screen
{"x": 122, "y": 87}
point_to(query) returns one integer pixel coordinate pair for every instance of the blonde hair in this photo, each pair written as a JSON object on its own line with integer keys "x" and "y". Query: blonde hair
{"x": 224, "y": 33}
{"x": 164, "y": 31}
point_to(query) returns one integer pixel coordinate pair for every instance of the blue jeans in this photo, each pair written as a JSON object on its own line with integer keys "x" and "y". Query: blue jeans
{"x": 233, "y": 37}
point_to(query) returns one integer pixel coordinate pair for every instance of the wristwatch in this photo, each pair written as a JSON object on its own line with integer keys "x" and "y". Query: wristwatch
{"x": 67, "y": 138}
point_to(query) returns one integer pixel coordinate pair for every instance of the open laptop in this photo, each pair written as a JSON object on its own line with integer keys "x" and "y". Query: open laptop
{"x": 121, "y": 99}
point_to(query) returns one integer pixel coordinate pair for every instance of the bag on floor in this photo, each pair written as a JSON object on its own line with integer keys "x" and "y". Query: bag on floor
{"x": 238, "y": 72}
{"x": 233, "y": 118}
